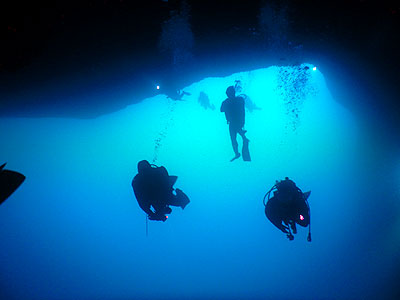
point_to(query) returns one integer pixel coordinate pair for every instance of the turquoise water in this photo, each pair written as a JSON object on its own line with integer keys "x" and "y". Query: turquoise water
{"x": 73, "y": 230}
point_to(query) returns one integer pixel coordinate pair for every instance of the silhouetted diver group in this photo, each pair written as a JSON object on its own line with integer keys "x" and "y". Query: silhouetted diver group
{"x": 154, "y": 191}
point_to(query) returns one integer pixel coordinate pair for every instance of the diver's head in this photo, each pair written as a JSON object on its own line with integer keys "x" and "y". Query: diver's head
{"x": 230, "y": 91}
{"x": 143, "y": 165}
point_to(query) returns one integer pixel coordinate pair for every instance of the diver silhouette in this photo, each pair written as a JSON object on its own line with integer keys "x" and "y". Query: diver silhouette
{"x": 9, "y": 182}
{"x": 288, "y": 206}
{"x": 153, "y": 187}
{"x": 176, "y": 94}
{"x": 170, "y": 89}
{"x": 233, "y": 107}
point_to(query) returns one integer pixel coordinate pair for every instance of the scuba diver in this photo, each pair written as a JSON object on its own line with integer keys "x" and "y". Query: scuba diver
{"x": 170, "y": 89}
{"x": 9, "y": 182}
{"x": 177, "y": 94}
{"x": 288, "y": 206}
{"x": 153, "y": 188}
{"x": 233, "y": 107}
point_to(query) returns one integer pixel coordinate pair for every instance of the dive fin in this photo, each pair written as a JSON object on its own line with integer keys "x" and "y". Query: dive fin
{"x": 183, "y": 198}
{"x": 306, "y": 195}
{"x": 236, "y": 157}
{"x": 2, "y": 166}
{"x": 245, "y": 150}
{"x": 9, "y": 182}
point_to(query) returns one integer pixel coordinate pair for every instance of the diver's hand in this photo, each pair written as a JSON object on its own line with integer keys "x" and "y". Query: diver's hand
{"x": 157, "y": 217}
{"x": 290, "y": 237}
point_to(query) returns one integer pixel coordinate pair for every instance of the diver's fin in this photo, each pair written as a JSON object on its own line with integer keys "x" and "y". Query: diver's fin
{"x": 245, "y": 150}
{"x": 183, "y": 198}
{"x": 236, "y": 157}
{"x": 306, "y": 195}
{"x": 2, "y": 166}
{"x": 9, "y": 182}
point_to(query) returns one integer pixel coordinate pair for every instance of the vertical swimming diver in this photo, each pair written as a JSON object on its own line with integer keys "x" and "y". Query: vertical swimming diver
{"x": 233, "y": 107}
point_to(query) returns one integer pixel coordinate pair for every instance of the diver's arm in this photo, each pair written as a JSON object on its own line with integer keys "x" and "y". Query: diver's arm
{"x": 279, "y": 225}
{"x": 222, "y": 109}
{"x": 146, "y": 209}
{"x": 144, "y": 205}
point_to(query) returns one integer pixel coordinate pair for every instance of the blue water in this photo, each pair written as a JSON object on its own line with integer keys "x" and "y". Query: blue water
{"x": 73, "y": 230}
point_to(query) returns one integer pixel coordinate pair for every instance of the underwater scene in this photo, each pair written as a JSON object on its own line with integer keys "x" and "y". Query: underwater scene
{"x": 74, "y": 229}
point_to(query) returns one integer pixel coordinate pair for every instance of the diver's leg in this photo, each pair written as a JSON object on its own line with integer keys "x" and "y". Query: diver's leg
{"x": 242, "y": 133}
{"x": 233, "y": 133}
{"x": 277, "y": 222}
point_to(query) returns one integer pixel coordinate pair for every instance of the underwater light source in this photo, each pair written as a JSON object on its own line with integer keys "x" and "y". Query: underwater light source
{"x": 301, "y": 217}
{"x": 158, "y": 87}
{"x": 314, "y": 69}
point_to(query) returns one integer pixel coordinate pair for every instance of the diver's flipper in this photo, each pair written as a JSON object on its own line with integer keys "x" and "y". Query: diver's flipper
{"x": 245, "y": 150}
{"x": 9, "y": 182}
{"x": 236, "y": 157}
{"x": 306, "y": 195}
{"x": 2, "y": 166}
{"x": 182, "y": 198}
